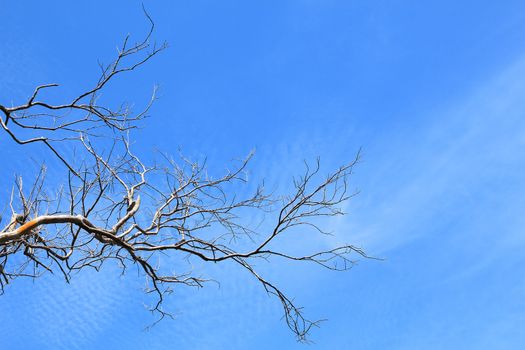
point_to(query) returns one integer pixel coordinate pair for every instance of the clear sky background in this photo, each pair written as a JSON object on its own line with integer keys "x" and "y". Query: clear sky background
{"x": 434, "y": 93}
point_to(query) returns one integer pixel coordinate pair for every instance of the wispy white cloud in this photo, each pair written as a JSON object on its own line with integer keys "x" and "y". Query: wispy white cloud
{"x": 64, "y": 316}
{"x": 466, "y": 154}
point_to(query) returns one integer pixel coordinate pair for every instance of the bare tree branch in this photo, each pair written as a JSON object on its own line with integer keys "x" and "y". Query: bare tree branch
{"x": 116, "y": 207}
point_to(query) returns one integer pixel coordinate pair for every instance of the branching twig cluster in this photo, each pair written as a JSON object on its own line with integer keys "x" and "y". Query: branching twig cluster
{"x": 116, "y": 207}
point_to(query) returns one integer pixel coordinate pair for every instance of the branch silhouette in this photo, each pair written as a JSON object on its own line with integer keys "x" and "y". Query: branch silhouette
{"x": 113, "y": 206}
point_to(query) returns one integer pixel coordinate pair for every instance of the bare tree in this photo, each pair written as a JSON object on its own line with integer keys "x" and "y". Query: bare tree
{"x": 114, "y": 206}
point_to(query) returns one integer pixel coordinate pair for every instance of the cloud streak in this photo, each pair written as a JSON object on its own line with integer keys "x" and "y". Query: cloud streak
{"x": 456, "y": 163}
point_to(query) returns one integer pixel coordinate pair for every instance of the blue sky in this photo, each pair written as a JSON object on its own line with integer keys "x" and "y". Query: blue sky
{"x": 432, "y": 91}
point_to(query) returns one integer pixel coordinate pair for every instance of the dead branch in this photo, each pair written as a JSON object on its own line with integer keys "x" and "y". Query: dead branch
{"x": 116, "y": 207}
